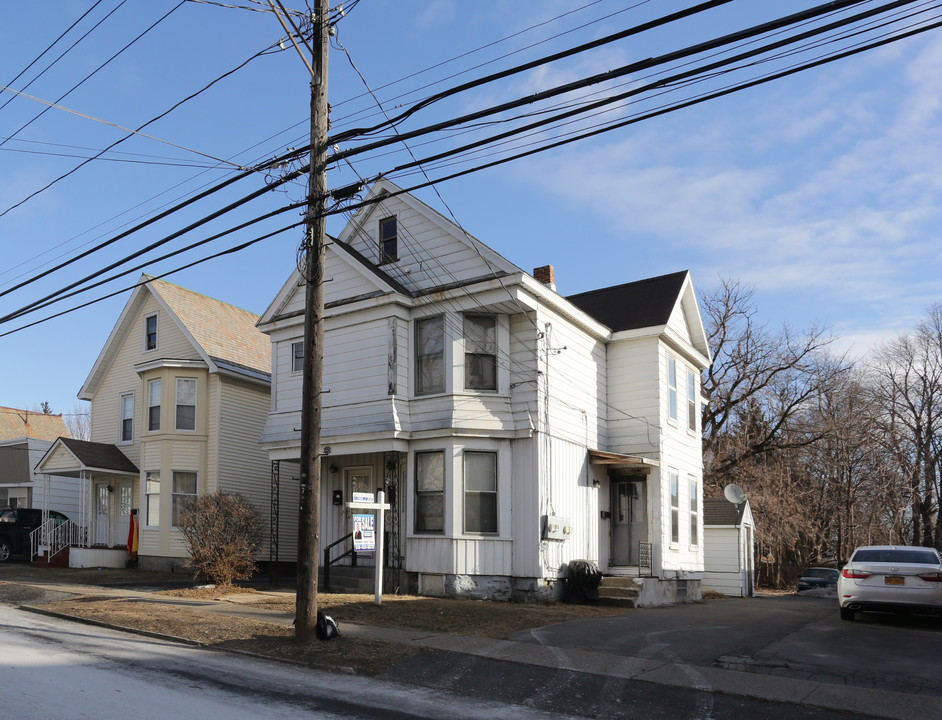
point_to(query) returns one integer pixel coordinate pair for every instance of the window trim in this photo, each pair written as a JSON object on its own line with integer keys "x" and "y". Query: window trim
{"x": 672, "y": 389}
{"x": 674, "y": 488}
{"x": 177, "y": 404}
{"x": 694, "y": 490}
{"x": 147, "y": 498}
{"x": 468, "y": 353}
{"x": 151, "y": 426}
{"x": 384, "y": 256}
{"x": 466, "y": 492}
{"x": 122, "y": 440}
{"x": 295, "y": 356}
{"x": 420, "y": 493}
{"x": 693, "y": 402}
{"x": 419, "y": 322}
{"x": 148, "y": 346}
{"x": 174, "y": 494}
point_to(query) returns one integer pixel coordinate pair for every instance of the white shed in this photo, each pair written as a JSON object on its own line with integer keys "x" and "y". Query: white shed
{"x": 728, "y": 535}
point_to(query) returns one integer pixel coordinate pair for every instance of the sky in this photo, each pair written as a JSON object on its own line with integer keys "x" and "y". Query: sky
{"x": 819, "y": 190}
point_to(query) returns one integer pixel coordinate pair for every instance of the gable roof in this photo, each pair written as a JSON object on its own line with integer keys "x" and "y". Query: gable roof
{"x": 16, "y": 424}
{"x": 719, "y": 511}
{"x": 90, "y": 456}
{"x": 224, "y": 332}
{"x": 223, "y": 335}
{"x": 640, "y": 304}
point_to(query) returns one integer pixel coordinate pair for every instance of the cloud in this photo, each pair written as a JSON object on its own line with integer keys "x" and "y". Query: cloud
{"x": 831, "y": 191}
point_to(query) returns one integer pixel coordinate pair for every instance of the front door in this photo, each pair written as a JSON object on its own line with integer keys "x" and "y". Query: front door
{"x": 102, "y": 506}
{"x": 629, "y": 519}
{"x": 357, "y": 480}
{"x": 123, "y": 502}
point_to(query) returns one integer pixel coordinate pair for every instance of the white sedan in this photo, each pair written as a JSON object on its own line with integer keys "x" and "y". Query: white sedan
{"x": 890, "y": 579}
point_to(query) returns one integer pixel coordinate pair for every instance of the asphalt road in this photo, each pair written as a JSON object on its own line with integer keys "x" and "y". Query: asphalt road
{"x": 57, "y": 669}
{"x": 788, "y": 636}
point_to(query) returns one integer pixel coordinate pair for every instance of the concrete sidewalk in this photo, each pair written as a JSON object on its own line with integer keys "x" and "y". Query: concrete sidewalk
{"x": 840, "y": 698}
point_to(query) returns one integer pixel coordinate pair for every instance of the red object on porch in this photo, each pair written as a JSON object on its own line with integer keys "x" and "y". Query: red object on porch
{"x": 132, "y": 533}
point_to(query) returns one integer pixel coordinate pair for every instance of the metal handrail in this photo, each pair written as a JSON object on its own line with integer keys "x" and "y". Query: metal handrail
{"x": 328, "y": 562}
{"x": 55, "y": 537}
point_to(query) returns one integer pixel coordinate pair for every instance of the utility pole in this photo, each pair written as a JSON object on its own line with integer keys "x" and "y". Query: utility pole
{"x": 309, "y": 511}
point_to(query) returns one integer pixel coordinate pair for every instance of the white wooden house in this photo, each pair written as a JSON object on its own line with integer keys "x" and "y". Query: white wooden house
{"x": 179, "y": 396}
{"x": 513, "y": 429}
{"x": 729, "y": 534}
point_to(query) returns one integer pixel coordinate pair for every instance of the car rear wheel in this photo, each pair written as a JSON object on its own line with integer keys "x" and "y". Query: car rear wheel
{"x": 847, "y": 614}
{"x": 5, "y": 551}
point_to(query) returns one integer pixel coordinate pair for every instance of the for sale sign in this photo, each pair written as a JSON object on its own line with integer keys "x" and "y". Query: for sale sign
{"x": 364, "y": 534}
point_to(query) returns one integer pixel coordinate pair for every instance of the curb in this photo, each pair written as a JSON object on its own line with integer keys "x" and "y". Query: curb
{"x": 338, "y": 669}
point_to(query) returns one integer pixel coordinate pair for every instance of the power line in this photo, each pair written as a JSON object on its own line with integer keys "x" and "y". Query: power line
{"x": 175, "y": 208}
{"x": 96, "y": 70}
{"x": 137, "y": 131}
{"x": 64, "y": 53}
{"x": 607, "y": 128}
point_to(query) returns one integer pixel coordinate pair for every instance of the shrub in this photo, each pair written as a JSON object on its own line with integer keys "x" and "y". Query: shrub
{"x": 223, "y": 532}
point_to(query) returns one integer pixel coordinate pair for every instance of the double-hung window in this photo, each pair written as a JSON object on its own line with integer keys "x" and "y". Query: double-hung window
{"x": 430, "y": 355}
{"x": 480, "y": 352}
{"x": 150, "y": 332}
{"x": 430, "y": 492}
{"x": 126, "y": 433}
{"x": 152, "y": 498}
{"x": 388, "y": 240}
{"x": 672, "y": 388}
{"x": 153, "y": 405}
{"x": 692, "y": 401}
{"x": 183, "y": 490}
{"x": 675, "y": 506}
{"x": 186, "y": 404}
{"x": 694, "y": 513}
{"x": 480, "y": 492}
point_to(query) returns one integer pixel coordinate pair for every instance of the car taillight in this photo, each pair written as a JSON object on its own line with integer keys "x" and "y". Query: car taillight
{"x": 855, "y": 574}
{"x": 932, "y": 577}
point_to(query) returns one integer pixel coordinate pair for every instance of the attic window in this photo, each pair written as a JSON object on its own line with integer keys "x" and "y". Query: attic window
{"x": 388, "y": 240}
{"x": 150, "y": 332}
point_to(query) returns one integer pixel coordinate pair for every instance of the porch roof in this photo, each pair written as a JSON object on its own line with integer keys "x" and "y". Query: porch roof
{"x": 93, "y": 458}
{"x": 619, "y": 461}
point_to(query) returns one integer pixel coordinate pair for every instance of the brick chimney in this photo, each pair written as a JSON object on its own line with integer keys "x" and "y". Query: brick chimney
{"x": 546, "y": 275}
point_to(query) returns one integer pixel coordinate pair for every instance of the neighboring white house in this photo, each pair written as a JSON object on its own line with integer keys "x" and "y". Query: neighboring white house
{"x": 729, "y": 533}
{"x": 179, "y": 396}
{"x": 513, "y": 429}
{"x": 24, "y": 437}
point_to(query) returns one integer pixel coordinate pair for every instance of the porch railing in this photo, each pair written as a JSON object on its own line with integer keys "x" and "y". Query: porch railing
{"x": 328, "y": 561}
{"x": 55, "y": 538}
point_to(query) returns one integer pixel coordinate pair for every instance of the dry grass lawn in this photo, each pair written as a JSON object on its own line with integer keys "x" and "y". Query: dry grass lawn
{"x": 361, "y": 655}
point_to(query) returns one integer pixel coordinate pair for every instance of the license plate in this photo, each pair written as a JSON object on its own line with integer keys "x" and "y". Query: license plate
{"x": 894, "y": 580}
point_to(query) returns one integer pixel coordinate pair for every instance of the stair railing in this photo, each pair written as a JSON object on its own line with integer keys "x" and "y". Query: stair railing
{"x": 328, "y": 561}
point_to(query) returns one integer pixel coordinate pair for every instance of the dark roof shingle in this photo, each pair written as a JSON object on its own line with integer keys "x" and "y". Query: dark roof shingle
{"x": 640, "y": 304}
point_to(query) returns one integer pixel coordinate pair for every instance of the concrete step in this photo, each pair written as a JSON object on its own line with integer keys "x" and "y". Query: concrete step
{"x": 619, "y": 591}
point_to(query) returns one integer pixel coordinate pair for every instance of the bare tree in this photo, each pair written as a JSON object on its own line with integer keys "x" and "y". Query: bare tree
{"x": 759, "y": 383}
{"x": 906, "y": 383}
{"x": 79, "y": 422}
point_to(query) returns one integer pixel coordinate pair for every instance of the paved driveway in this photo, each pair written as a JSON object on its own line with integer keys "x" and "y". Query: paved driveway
{"x": 790, "y": 636}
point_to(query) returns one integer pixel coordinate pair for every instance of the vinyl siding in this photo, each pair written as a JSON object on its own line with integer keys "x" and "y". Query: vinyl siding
{"x": 243, "y": 467}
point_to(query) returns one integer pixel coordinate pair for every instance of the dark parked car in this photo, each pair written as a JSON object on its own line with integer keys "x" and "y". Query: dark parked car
{"x": 818, "y": 577}
{"x": 15, "y": 526}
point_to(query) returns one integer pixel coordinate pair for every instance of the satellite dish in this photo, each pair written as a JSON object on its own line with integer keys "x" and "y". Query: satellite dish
{"x": 734, "y": 494}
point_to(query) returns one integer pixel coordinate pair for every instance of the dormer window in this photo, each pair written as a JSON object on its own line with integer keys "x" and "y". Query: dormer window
{"x": 388, "y": 240}
{"x": 150, "y": 332}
